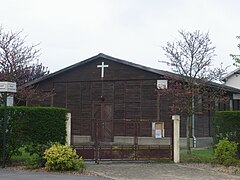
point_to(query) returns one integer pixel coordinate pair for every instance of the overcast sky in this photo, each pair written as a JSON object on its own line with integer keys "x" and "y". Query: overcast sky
{"x": 135, "y": 30}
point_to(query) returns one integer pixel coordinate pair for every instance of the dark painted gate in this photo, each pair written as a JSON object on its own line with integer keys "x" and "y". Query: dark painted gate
{"x": 103, "y": 146}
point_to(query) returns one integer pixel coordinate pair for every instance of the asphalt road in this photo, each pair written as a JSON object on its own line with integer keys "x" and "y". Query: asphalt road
{"x": 6, "y": 174}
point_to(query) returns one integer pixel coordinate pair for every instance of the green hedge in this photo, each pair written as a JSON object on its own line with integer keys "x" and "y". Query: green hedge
{"x": 227, "y": 125}
{"x": 32, "y": 125}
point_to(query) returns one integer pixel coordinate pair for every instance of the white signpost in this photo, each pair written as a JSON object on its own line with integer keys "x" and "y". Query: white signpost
{"x": 6, "y": 87}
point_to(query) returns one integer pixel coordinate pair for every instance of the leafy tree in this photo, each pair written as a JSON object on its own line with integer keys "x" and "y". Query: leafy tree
{"x": 236, "y": 58}
{"x": 191, "y": 58}
{"x": 19, "y": 62}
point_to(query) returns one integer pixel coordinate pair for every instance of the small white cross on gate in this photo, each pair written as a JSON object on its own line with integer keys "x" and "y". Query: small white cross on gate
{"x": 102, "y": 66}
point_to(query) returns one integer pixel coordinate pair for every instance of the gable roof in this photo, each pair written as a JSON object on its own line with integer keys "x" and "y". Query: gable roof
{"x": 148, "y": 69}
{"x": 101, "y": 55}
{"x": 236, "y": 71}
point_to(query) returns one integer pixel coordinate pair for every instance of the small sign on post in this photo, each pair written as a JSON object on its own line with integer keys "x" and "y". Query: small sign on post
{"x": 8, "y": 87}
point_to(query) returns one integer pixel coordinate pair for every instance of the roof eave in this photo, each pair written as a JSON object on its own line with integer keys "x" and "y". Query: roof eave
{"x": 236, "y": 71}
{"x": 156, "y": 71}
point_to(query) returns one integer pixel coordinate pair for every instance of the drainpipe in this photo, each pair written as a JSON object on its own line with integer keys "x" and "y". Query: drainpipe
{"x": 193, "y": 124}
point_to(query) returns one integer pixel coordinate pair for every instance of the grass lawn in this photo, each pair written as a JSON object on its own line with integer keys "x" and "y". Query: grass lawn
{"x": 197, "y": 156}
{"x": 208, "y": 153}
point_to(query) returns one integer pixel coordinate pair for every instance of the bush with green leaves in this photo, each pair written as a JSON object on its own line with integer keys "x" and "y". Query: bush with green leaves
{"x": 226, "y": 152}
{"x": 227, "y": 125}
{"x": 63, "y": 157}
{"x": 33, "y": 128}
{"x": 37, "y": 150}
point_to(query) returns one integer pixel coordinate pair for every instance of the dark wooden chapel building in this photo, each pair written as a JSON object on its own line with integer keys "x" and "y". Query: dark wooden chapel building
{"x": 122, "y": 98}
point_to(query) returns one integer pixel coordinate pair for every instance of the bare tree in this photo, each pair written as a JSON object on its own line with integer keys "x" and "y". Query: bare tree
{"x": 19, "y": 62}
{"x": 191, "y": 58}
{"x": 235, "y": 57}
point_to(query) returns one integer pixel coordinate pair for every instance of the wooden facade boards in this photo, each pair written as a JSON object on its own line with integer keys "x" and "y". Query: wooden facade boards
{"x": 124, "y": 102}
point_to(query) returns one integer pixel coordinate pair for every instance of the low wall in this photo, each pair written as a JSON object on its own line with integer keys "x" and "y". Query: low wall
{"x": 142, "y": 140}
{"x": 128, "y": 140}
{"x": 204, "y": 141}
{"x": 77, "y": 140}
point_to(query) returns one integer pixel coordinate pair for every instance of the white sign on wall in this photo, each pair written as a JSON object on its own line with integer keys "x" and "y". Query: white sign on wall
{"x": 162, "y": 84}
{"x": 158, "y": 133}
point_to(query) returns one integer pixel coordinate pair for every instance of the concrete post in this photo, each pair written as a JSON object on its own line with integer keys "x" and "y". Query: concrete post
{"x": 176, "y": 137}
{"x": 68, "y": 129}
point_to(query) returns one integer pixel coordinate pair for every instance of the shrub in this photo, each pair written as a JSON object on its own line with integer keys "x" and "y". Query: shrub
{"x": 227, "y": 125}
{"x": 63, "y": 157}
{"x": 33, "y": 127}
{"x": 32, "y": 162}
{"x": 37, "y": 150}
{"x": 226, "y": 152}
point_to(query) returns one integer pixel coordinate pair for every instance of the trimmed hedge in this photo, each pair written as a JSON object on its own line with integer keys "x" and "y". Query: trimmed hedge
{"x": 32, "y": 125}
{"x": 227, "y": 125}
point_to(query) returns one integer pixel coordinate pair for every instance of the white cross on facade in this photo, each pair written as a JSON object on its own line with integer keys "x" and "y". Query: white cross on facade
{"x": 102, "y": 66}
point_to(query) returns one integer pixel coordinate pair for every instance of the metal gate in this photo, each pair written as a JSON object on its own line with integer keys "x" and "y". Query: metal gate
{"x": 103, "y": 146}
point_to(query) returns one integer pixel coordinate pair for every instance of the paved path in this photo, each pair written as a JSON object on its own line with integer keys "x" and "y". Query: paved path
{"x": 127, "y": 171}
{"x": 8, "y": 174}
{"x": 159, "y": 171}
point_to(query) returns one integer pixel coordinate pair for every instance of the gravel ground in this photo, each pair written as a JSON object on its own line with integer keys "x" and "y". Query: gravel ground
{"x": 123, "y": 171}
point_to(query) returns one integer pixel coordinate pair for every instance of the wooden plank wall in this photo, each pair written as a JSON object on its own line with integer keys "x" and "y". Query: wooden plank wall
{"x": 133, "y": 101}
{"x": 131, "y": 92}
